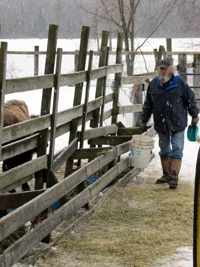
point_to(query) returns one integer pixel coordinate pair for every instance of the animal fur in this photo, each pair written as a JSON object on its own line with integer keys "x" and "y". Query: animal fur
{"x": 16, "y": 111}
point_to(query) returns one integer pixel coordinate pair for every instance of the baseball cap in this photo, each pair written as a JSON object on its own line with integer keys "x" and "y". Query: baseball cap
{"x": 165, "y": 63}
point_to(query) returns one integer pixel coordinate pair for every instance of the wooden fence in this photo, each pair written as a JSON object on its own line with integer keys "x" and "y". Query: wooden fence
{"x": 49, "y": 126}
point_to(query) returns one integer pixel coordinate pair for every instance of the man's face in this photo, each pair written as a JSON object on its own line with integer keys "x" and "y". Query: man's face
{"x": 164, "y": 74}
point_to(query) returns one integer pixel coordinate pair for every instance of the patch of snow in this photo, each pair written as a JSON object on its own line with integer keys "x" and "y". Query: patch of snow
{"x": 183, "y": 258}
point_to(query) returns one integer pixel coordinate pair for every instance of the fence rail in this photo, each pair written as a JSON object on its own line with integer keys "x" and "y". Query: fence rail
{"x": 145, "y": 53}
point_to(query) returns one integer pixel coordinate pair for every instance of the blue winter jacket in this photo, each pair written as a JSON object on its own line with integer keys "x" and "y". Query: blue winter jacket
{"x": 170, "y": 105}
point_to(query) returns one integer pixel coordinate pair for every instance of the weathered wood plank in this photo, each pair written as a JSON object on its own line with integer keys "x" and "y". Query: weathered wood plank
{"x": 127, "y": 177}
{"x": 27, "y": 242}
{"x": 104, "y": 90}
{"x": 61, "y": 158}
{"x": 62, "y": 129}
{"x": 85, "y": 107}
{"x": 15, "y": 174}
{"x": 123, "y": 148}
{"x": 117, "y": 80}
{"x": 31, "y": 142}
{"x": 107, "y": 114}
{"x": 69, "y": 114}
{"x": 146, "y": 74}
{"x": 46, "y": 100}
{"x": 15, "y": 200}
{"x": 92, "y": 105}
{"x": 36, "y": 61}
{"x": 89, "y": 153}
{"x": 107, "y": 157}
{"x": 48, "y": 80}
{"x": 104, "y": 130}
{"x": 25, "y": 128}
{"x": 129, "y": 131}
{"x": 18, "y": 147}
{"x": 196, "y": 78}
{"x": 136, "y": 79}
{"x": 16, "y": 184}
{"x": 182, "y": 64}
{"x": 55, "y": 111}
{"x": 100, "y": 81}
{"x": 108, "y": 98}
{"x": 108, "y": 177}
{"x": 130, "y": 108}
{"x": 106, "y": 70}
{"x": 3, "y": 62}
{"x": 29, "y": 83}
{"x": 98, "y": 73}
{"x": 109, "y": 140}
{"x": 73, "y": 78}
{"x": 28, "y": 211}
{"x": 116, "y": 68}
{"x": 12, "y": 221}
{"x": 78, "y": 89}
{"x": 147, "y": 53}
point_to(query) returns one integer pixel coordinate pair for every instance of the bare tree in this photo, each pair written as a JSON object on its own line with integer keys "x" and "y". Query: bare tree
{"x": 132, "y": 17}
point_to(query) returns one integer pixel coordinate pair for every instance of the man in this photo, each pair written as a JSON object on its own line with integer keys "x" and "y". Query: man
{"x": 169, "y": 99}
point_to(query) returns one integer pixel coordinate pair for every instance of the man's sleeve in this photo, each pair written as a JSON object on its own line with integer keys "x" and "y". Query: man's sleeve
{"x": 191, "y": 101}
{"x": 147, "y": 107}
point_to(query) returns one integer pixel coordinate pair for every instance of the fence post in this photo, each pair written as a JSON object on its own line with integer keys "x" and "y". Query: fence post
{"x": 104, "y": 90}
{"x": 86, "y": 99}
{"x": 45, "y": 108}
{"x": 36, "y": 61}
{"x": 100, "y": 81}
{"x": 138, "y": 100}
{"x": 3, "y": 62}
{"x": 81, "y": 186}
{"x": 196, "y": 78}
{"x": 78, "y": 90}
{"x": 158, "y": 55}
{"x": 46, "y": 98}
{"x": 76, "y": 60}
{"x": 182, "y": 64}
{"x": 51, "y": 178}
{"x": 117, "y": 80}
{"x": 169, "y": 46}
{"x": 55, "y": 110}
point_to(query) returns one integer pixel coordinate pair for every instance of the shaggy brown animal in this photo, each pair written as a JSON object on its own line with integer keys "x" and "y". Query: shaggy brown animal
{"x": 16, "y": 111}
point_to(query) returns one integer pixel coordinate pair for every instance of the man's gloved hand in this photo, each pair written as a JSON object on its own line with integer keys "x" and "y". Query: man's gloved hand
{"x": 194, "y": 121}
{"x": 143, "y": 127}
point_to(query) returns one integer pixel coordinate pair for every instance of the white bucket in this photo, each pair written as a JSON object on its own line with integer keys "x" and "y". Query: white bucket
{"x": 140, "y": 151}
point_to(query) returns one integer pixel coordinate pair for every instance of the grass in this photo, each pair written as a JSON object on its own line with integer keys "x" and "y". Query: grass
{"x": 138, "y": 226}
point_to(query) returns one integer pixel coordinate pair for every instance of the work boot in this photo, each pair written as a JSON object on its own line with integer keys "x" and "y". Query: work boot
{"x": 175, "y": 169}
{"x": 166, "y": 171}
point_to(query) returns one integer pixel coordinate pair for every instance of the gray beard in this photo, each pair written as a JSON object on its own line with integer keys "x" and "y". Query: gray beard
{"x": 164, "y": 78}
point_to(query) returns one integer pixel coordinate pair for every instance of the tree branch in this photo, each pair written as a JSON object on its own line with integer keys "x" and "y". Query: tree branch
{"x": 157, "y": 27}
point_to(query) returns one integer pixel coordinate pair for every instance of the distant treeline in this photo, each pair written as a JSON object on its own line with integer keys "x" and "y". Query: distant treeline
{"x": 31, "y": 19}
